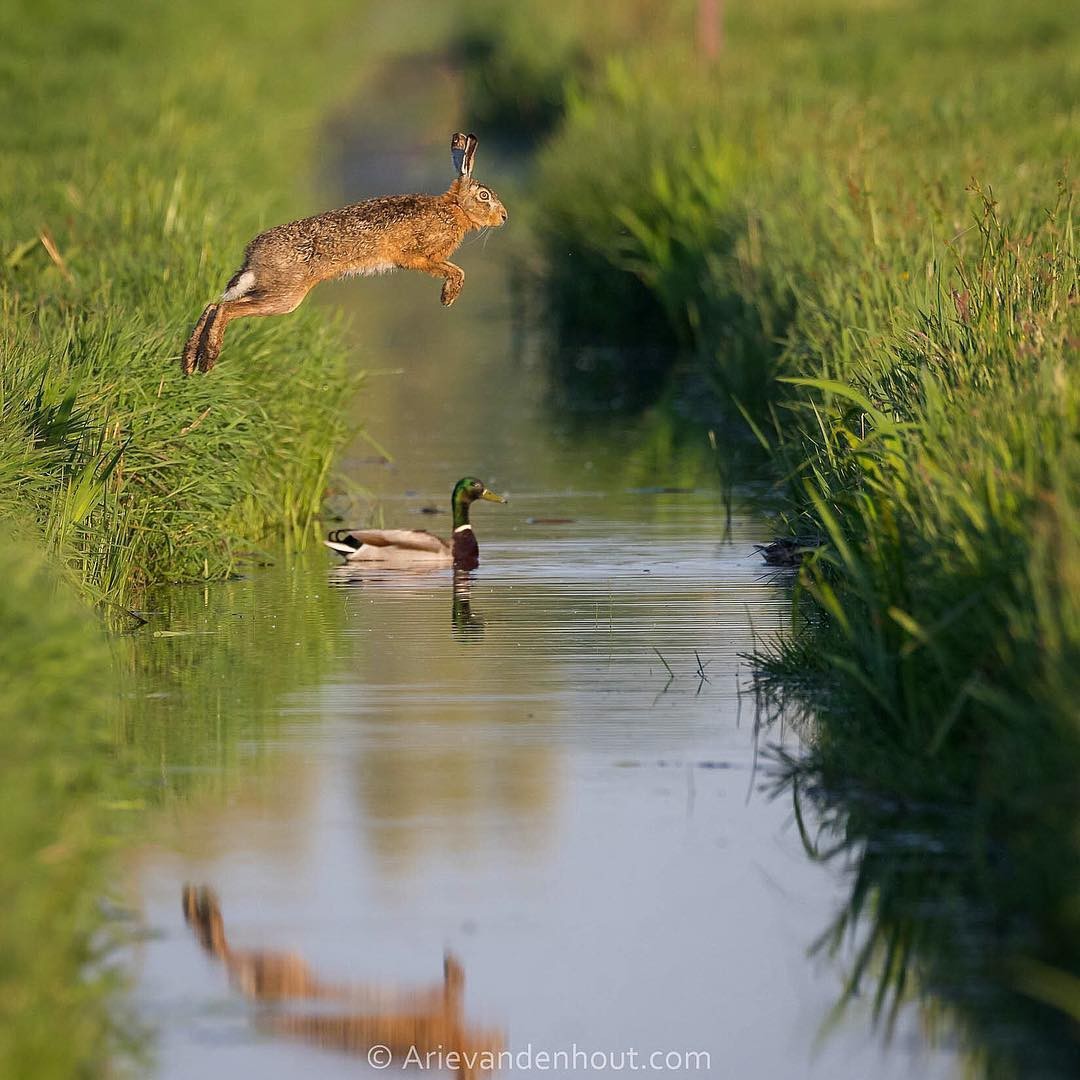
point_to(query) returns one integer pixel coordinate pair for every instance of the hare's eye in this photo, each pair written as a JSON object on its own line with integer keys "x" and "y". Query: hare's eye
{"x": 484, "y": 196}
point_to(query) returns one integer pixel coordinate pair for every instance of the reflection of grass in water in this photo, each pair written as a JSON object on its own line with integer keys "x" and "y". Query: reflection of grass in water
{"x": 190, "y": 701}
{"x": 667, "y": 666}
{"x": 217, "y": 678}
{"x": 218, "y": 687}
{"x": 667, "y": 446}
{"x": 54, "y": 772}
{"x": 964, "y": 878}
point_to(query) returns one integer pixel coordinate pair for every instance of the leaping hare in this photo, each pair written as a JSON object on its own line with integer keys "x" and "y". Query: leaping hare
{"x": 407, "y": 232}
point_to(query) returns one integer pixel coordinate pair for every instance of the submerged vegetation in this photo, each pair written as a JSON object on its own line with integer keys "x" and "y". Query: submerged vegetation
{"x": 129, "y": 190}
{"x": 860, "y": 220}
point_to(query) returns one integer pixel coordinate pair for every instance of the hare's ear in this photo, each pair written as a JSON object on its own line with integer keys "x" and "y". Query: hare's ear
{"x": 459, "y": 141}
{"x": 470, "y": 153}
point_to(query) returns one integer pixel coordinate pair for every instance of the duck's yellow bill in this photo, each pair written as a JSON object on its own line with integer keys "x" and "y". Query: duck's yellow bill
{"x": 492, "y": 497}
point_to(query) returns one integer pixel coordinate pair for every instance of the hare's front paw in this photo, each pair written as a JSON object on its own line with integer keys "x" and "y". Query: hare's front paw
{"x": 451, "y": 288}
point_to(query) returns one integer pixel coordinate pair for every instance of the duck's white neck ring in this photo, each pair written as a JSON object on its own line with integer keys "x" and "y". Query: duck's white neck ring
{"x": 461, "y": 527}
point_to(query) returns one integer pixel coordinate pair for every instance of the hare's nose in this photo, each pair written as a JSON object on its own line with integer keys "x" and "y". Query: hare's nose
{"x": 504, "y": 214}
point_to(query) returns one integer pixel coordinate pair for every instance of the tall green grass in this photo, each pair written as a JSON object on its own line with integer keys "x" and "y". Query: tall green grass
{"x": 56, "y": 992}
{"x": 145, "y": 144}
{"x": 861, "y": 222}
{"x": 518, "y": 61}
{"x": 935, "y": 452}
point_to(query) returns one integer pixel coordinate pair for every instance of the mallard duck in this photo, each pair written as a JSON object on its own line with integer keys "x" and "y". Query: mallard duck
{"x": 418, "y": 547}
{"x": 787, "y": 551}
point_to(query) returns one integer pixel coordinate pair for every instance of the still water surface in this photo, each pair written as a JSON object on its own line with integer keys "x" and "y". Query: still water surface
{"x": 370, "y": 769}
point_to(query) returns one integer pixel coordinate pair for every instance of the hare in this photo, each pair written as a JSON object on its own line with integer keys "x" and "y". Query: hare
{"x": 407, "y": 232}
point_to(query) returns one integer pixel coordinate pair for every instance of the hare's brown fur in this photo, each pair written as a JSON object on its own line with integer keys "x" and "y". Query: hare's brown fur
{"x": 396, "y": 232}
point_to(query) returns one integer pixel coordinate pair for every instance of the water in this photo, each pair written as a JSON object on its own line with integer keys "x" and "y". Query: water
{"x": 547, "y": 770}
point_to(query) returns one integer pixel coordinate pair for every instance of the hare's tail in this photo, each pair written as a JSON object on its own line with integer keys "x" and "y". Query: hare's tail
{"x": 240, "y": 284}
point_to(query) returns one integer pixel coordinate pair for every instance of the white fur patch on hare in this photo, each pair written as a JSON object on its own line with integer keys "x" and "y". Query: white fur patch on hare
{"x": 368, "y": 270}
{"x": 240, "y": 287}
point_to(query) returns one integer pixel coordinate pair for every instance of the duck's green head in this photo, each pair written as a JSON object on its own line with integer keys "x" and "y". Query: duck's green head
{"x": 466, "y": 491}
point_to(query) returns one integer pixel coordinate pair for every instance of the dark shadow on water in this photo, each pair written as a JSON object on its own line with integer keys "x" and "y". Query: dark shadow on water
{"x": 963, "y": 904}
{"x": 596, "y": 381}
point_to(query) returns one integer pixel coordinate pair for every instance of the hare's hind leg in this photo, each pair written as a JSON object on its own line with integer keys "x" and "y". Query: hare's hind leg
{"x": 189, "y": 357}
{"x": 257, "y": 302}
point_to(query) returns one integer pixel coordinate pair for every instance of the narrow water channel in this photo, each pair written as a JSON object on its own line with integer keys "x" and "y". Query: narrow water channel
{"x": 547, "y": 773}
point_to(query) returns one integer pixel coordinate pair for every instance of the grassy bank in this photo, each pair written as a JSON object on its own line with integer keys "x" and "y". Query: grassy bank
{"x": 145, "y": 144}
{"x": 55, "y": 770}
{"x": 861, "y": 221}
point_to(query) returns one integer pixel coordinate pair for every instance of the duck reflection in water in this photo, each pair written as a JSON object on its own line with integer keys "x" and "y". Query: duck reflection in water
{"x": 467, "y": 625}
{"x": 409, "y": 1024}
